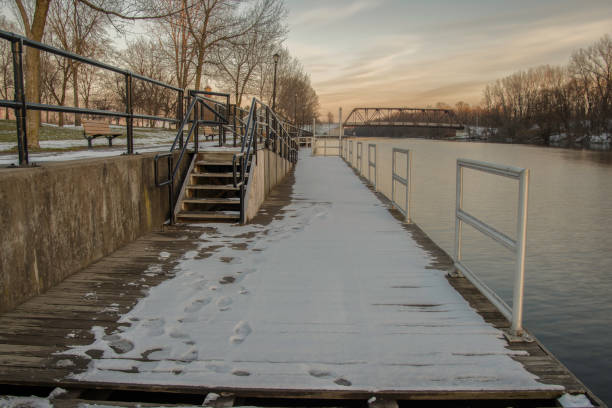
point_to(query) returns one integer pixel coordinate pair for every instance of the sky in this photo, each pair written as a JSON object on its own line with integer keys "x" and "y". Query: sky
{"x": 414, "y": 53}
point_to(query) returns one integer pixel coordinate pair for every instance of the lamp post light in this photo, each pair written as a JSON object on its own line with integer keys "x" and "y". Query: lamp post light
{"x": 276, "y": 58}
{"x": 295, "y": 109}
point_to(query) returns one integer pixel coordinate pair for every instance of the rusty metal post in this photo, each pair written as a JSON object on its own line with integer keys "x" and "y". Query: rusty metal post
{"x": 20, "y": 113}
{"x": 130, "y": 111}
{"x": 180, "y": 114}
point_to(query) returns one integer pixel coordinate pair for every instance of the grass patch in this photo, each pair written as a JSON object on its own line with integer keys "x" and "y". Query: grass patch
{"x": 59, "y": 149}
{"x": 8, "y": 132}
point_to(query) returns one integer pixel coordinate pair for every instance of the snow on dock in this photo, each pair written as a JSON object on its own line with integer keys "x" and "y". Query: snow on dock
{"x": 326, "y": 292}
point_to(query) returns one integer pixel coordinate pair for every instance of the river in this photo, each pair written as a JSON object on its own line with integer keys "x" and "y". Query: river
{"x": 568, "y": 286}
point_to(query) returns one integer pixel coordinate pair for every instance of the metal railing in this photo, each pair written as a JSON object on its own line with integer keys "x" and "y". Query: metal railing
{"x": 372, "y": 164}
{"x": 351, "y": 151}
{"x": 21, "y": 105}
{"x": 268, "y": 127}
{"x": 514, "y": 314}
{"x": 359, "y": 156}
{"x": 199, "y": 104}
{"x": 401, "y": 179}
{"x": 327, "y": 146}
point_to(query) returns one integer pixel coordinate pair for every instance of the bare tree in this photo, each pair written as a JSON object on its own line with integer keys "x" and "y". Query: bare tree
{"x": 6, "y": 64}
{"x": 295, "y": 96}
{"x": 238, "y": 61}
{"x": 142, "y": 57}
{"x": 79, "y": 29}
{"x": 33, "y": 18}
{"x": 592, "y": 68}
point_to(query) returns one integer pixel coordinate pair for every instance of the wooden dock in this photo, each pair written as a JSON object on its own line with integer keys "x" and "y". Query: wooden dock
{"x": 308, "y": 302}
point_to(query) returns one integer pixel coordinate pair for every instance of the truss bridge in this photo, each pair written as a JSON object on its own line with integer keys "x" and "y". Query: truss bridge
{"x": 403, "y": 117}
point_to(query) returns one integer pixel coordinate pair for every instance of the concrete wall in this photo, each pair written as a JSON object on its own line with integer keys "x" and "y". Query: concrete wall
{"x": 58, "y": 218}
{"x": 269, "y": 171}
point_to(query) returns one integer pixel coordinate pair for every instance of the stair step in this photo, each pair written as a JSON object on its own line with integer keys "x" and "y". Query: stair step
{"x": 202, "y": 215}
{"x": 213, "y": 187}
{"x": 210, "y": 174}
{"x": 211, "y": 200}
{"x": 213, "y": 163}
{"x": 217, "y": 163}
{"x": 217, "y": 156}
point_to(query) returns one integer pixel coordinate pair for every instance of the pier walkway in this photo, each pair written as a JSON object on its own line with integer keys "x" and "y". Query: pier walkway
{"x": 325, "y": 295}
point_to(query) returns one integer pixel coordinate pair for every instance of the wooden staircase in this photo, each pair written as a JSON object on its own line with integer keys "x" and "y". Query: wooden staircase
{"x": 208, "y": 194}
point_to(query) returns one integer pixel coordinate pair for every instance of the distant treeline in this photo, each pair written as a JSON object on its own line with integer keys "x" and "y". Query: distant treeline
{"x": 570, "y": 104}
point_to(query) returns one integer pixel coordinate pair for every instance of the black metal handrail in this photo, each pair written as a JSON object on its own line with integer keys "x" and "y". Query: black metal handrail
{"x": 262, "y": 123}
{"x": 21, "y": 106}
{"x": 193, "y": 115}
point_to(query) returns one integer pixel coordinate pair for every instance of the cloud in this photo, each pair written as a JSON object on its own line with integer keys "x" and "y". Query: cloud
{"x": 336, "y": 12}
{"x": 406, "y": 54}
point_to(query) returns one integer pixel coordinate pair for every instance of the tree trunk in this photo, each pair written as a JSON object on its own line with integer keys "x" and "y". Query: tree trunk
{"x": 32, "y": 66}
{"x": 198, "y": 72}
{"x": 75, "y": 92}
{"x": 32, "y": 94}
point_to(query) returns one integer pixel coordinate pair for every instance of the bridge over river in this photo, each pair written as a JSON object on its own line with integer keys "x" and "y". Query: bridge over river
{"x": 326, "y": 295}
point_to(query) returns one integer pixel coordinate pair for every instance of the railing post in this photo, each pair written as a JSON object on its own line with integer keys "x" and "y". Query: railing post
{"x": 409, "y": 186}
{"x": 180, "y": 114}
{"x": 235, "y": 124}
{"x": 171, "y": 188}
{"x": 517, "y": 299}
{"x": 196, "y": 123}
{"x": 20, "y": 113}
{"x": 458, "y": 206}
{"x": 267, "y": 144}
{"x": 255, "y": 128}
{"x": 129, "y": 110}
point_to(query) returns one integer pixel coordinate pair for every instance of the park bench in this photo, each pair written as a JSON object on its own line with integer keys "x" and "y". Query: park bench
{"x": 95, "y": 128}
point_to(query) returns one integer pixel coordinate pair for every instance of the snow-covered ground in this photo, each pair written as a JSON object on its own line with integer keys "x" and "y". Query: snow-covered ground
{"x": 140, "y": 146}
{"x": 332, "y": 294}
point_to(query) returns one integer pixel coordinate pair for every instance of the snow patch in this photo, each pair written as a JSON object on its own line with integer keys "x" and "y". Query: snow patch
{"x": 575, "y": 401}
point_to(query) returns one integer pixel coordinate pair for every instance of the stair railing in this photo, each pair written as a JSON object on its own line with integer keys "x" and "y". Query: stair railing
{"x": 194, "y": 115}
{"x": 272, "y": 130}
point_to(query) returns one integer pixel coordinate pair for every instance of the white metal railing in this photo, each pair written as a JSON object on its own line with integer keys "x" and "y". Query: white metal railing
{"x": 326, "y": 146}
{"x": 514, "y": 314}
{"x": 401, "y": 179}
{"x": 359, "y": 156}
{"x": 351, "y": 152}
{"x": 372, "y": 164}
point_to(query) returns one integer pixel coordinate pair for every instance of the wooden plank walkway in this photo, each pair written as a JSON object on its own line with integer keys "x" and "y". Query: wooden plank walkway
{"x": 325, "y": 296}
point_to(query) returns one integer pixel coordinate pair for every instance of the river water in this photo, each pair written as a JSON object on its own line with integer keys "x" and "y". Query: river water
{"x": 568, "y": 286}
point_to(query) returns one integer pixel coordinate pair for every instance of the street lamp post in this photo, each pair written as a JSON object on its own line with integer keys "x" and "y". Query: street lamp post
{"x": 295, "y": 109}
{"x": 276, "y": 58}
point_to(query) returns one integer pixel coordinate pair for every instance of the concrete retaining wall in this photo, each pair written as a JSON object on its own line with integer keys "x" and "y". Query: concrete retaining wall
{"x": 269, "y": 171}
{"x": 58, "y": 218}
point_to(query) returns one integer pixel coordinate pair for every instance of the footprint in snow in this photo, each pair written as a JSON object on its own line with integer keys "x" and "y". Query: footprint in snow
{"x": 197, "y": 305}
{"x": 227, "y": 280}
{"x": 319, "y": 373}
{"x": 241, "y": 331}
{"x": 240, "y": 373}
{"x": 342, "y": 381}
{"x": 178, "y": 334}
{"x": 224, "y": 303}
{"x": 120, "y": 345}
